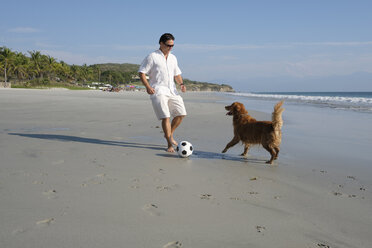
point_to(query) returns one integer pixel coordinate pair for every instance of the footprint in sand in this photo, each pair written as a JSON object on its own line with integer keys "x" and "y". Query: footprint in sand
{"x": 260, "y": 229}
{"x": 45, "y": 223}
{"x": 235, "y": 198}
{"x": 136, "y": 183}
{"x": 337, "y": 193}
{"x": 206, "y": 196}
{"x": 167, "y": 188}
{"x": 324, "y": 246}
{"x": 98, "y": 179}
{"x": 50, "y": 194}
{"x": 94, "y": 161}
{"x": 210, "y": 198}
{"x": 253, "y": 193}
{"x": 152, "y": 209}
{"x": 175, "y": 244}
{"x": 163, "y": 188}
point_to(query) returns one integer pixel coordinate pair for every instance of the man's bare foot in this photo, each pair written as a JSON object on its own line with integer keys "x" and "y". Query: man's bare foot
{"x": 172, "y": 140}
{"x": 170, "y": 149}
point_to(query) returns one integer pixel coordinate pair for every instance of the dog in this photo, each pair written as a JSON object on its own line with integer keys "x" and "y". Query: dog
{"x": 253, "y": 132}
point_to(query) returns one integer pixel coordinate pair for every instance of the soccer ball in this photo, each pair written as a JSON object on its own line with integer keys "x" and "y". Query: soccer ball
{"x": 184, "y": 149}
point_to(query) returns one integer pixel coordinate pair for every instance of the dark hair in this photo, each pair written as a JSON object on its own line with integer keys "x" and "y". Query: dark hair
{"x": 165, "y": 37}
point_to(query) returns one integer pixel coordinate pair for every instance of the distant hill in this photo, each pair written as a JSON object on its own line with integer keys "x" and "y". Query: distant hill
{"x": 191, "y": 85}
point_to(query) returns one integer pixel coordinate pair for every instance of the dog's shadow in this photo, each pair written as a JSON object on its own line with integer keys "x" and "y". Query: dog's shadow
{"x": 196, "y": 155}
{"x": 214, "y": 156}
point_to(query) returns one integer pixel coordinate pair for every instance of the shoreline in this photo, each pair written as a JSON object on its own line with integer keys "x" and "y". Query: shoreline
{"x": 89, "y": 169}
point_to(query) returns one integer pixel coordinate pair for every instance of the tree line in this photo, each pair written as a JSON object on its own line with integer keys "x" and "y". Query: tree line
{"x": 39, "y": 69}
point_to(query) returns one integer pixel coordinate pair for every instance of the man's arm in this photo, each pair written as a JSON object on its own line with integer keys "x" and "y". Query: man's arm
{"x": 179, "y": 80}
{"x": 144, "y": 81}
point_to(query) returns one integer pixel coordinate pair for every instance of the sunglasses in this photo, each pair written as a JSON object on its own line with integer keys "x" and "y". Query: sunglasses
{"x": 169, "y": 45}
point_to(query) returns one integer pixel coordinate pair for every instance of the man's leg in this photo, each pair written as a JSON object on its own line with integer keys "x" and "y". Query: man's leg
{"x": 166, "y": 125}
{"x": 175, "y": 123}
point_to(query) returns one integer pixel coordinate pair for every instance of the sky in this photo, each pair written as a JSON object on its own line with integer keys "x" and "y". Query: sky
{"x": 254, "y": 46}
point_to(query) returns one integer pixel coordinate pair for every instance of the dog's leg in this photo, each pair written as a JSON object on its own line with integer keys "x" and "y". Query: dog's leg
{"x": 233, "y": 142}
{"x": 277, "y": 150}
{"x": 246, "y": 147}
{"x": 272, "y": 153}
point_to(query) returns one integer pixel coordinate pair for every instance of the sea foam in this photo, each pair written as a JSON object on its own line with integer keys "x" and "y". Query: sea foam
{"x": 339, "y": 100}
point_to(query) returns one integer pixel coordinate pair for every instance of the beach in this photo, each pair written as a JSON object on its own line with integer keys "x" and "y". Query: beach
{"x": 89, "y": 169}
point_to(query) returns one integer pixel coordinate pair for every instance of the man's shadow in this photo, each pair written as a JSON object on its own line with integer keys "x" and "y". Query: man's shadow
{"x": 196, "y": 154}
{"x": 68, "y": 138}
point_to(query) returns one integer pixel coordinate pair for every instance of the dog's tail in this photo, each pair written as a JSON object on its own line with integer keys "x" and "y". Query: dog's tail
{"x": 277, "y": 116}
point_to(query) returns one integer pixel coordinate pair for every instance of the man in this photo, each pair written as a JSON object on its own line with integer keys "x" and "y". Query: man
{"x": 163, "y": 71}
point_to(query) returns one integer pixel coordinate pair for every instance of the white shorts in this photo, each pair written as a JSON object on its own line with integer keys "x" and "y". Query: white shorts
{"x": 167, "y": 106}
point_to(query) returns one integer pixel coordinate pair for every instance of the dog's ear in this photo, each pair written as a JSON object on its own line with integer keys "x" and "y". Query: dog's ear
{"x": 237, "y": 107}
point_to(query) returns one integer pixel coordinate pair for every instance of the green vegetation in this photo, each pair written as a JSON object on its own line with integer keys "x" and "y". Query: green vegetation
{"x": 203, "y": 86}
{"x": 43, "y": 71}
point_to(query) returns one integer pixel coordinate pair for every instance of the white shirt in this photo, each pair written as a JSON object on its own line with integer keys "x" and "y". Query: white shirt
{"x": 161, "y": 72}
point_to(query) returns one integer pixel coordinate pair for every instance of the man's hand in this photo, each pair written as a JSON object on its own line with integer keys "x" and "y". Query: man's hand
{"x": 179, "y": 81}
{"x": 150, "y": 90}
{"x": 144, "y": 81}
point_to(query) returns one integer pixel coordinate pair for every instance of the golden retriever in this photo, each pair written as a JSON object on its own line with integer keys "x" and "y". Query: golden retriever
{"x": 251, "y": 132}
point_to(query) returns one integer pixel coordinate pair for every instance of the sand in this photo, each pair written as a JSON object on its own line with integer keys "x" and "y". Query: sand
{"x": 89, "y": 169}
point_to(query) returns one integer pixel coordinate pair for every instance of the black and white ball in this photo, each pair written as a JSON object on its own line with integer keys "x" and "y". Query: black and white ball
{"x": 184, "y": 149}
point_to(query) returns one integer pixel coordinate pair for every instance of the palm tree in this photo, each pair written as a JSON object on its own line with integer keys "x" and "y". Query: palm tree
{"x": 110, "y": 77}
{"x": 75, "y": 72}
{"x": 1, "y": 64}
{"x": 64, "y": 70}
{"x": 36, "y": 61}
{"x": 85, "y": 73}
{"x": 20, "y": 66}
{"x": 6, "y": 57}
{"x": 50, "y": 65}
{"x": 97, "y": 70}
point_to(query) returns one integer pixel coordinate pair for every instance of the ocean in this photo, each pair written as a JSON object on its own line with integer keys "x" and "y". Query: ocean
{"x": 350, "y": 101}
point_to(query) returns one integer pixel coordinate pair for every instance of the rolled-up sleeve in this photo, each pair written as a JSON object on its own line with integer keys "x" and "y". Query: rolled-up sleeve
{"x": 177, "y": 70}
